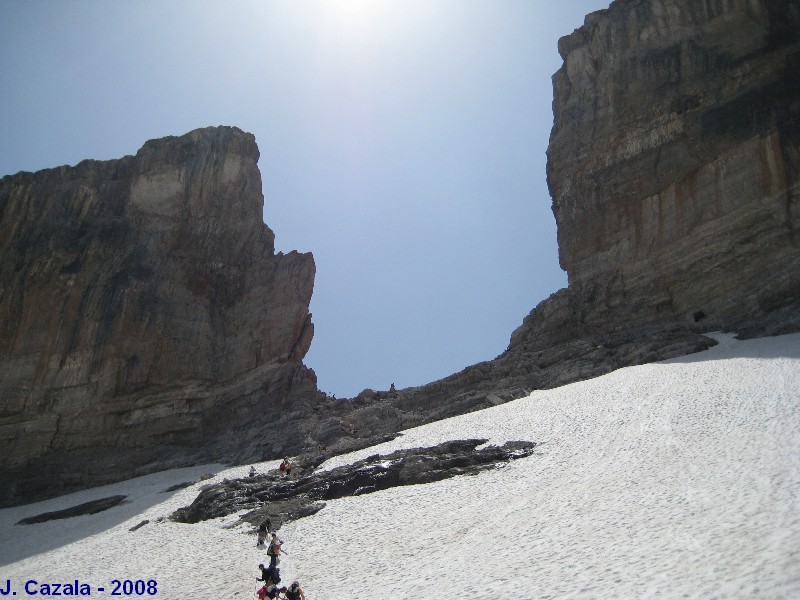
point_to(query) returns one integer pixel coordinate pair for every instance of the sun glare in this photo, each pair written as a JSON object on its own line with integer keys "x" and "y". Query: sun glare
{"x": 366, "y": 21}
{"x": 355, "y": 9}
{"x": 355, "y": 13}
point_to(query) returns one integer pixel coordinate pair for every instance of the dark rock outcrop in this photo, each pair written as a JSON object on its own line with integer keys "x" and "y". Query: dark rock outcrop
{"x": 282, "y": 499}
{"x": 144, "y": 315}
{"x": 87, "y": 508}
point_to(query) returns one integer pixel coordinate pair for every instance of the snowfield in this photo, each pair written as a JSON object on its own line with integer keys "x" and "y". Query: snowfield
{"x": 678, "y": 479}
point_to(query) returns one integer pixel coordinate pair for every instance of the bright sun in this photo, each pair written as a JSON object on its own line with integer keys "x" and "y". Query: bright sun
{"x": 356, "y": 12}
{"x": 361, "y": 21}
{"x": 354, "y": 8}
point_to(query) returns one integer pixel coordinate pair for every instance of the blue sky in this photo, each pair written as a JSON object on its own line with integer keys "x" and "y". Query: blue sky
{"x": 402, "y": 143}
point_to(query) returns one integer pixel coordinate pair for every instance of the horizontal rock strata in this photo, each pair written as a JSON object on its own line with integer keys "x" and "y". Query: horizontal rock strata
{"x": 144, "y": 315}
{"x": 673, "y": 165}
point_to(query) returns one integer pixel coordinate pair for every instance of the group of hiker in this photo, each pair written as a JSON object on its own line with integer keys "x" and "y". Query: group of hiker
{"x": 271, "y": 575}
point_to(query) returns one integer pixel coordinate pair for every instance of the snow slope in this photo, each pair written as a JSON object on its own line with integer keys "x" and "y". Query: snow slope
{"x": 678, "y": 479}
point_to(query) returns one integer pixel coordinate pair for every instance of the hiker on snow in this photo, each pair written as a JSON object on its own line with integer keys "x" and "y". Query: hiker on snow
{"x": 262, "y": 538}
{"x": 263, "y": 529}
{"x": 267, "y": 575}
{"x": 274, "y": 550}
{"x": 295, "y": 592}
{"x": 286, "y": 467}
{"x": 270, "y": 591}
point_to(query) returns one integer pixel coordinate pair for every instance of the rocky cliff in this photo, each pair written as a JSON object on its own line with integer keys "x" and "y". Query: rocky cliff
{"x": 145, "y": 320}
{"x": 144, "y": 315}
{"x": 673, "y": 166}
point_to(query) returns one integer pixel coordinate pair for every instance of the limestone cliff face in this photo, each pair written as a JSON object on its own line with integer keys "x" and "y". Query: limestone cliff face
{"x": 143, "y": 312}
{"x": 673, "y": 166}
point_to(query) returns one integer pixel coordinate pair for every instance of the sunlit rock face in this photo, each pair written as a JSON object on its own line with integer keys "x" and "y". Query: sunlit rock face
{"x": 144, "y": 315}
{"x": 673, "y": 166}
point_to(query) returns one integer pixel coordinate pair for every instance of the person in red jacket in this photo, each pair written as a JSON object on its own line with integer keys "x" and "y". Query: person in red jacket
{"x": 270, "y": 591}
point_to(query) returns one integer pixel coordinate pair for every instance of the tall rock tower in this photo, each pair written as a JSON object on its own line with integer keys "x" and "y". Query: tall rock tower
{"x": 144, "y": 315}
{"x": 674, "y": 167}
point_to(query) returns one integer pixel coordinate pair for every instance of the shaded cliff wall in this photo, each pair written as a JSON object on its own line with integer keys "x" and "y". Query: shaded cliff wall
{"x": 673, "y": 166}
{"x": 144, "y": 315}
